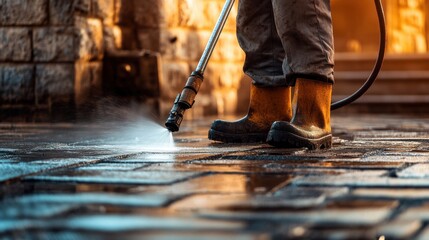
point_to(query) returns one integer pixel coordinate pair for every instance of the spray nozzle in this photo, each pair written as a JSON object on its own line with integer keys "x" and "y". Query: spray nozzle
{"x": 184, "y": 101}
{"x": 176, "y": 116}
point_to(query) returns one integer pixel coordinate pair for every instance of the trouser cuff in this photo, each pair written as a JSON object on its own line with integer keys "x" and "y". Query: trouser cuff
{"x": 291, "y": 78}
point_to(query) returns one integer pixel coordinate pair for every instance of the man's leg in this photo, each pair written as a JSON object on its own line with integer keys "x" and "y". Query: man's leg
{"x": 305, "y": 28}
{"x": 270, "y": 95}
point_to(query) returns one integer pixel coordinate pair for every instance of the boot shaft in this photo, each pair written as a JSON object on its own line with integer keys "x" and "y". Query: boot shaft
{"x": 312, "y": 104}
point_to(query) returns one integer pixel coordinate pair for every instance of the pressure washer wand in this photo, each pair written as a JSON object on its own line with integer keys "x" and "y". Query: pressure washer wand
{"x": 186, "y": 98}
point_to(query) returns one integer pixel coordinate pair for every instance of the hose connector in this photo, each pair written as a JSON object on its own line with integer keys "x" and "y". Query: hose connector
{"x": 184, "y": 101}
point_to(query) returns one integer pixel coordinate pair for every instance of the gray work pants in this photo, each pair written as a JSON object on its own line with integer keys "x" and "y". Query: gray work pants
{"x": 285, "y": 40}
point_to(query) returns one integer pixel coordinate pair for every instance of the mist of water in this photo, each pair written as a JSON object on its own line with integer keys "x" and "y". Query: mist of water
{"x": 134, "y": 128}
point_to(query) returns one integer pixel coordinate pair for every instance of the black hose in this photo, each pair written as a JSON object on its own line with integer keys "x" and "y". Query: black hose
{"x": 377, "y": 67}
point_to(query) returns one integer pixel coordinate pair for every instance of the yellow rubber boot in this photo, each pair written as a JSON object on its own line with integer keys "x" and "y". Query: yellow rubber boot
{"x": 310, "y": 126}
{"x": 267, "y": 105}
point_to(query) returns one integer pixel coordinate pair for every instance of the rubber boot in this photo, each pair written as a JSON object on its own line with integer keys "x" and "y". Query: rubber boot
{"x": 266, "y": 106}
{"x": 311, "y": 122}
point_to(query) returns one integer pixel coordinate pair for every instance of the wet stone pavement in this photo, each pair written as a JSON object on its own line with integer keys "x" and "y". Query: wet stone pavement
{"x": 99, "y": 181}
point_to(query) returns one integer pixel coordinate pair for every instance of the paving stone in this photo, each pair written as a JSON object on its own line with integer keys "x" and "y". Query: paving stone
{"x": 342, "y": 163}
{"x": 250, "y": 167}
{"x": 16, "y": 210}
{"x": 398, "y": 157}
{"x": 18, "y": 225}
{"x": 50, "y": 205}
{"x": 205, "y": 236}
{"x": 148, "y": 235}
{"x": 329, "y": 192}
{"x": 207, "y": 201}
{"x": 10, "y": 170}
{"x": 399, "y": 229}
{"x": 121, "y": 223}
{"x": 356, "y": 180}
{"x": 345, "y": 203}
{"x": 338, "y": 217}
{"x": 407, "y": 193}
{"x": 341, "y": 233}
{"x": 57, "y": 235}
{"x": 291, "y": 200}
{"x": 116, "y": 177}
{"x": 415, "y": 213}
{"x": 415, "y": 171}
{"x": 225, "y": 183}
{"x": 161, "y": 157}
{"x": 284, "y": 200}
{"x": 423, "y": 235}
{"x": 112, "y": 167}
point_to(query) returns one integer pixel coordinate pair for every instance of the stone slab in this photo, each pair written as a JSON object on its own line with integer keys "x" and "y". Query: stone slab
{"x": 136, "y": 235}
{"x": 11, "y": 170}
{"x": 54, "y": 44}
{"x": 16, "y": 83}
{"x": 23, "y": 12}
{"x": 329, "y": 192}
{"x": 241, "y": 167}
{"x": 122, "y": 223}
{"x": 201, "y": 202}
{"x": 116, "y": 177}
{"x": 407, "y": 193}
{"x": 399, "y": 157}
{"x": 15, "y": 44}
{"x": 49, "y": 205}
{"x": 423, "y": 235}
{"x": 415, "y": 213}
{"x": 61, "y": 12}
{"x": 415, "y": 171}
{"x": 112, "y": 167}
{"x": 399, "y": 229}
{"x": 363, "y": 180}
{"x": 54, "y": 82}
{"x": 225, "y": 184}
{"x": 89, "y": 44}
{"x": 337, "y": 217}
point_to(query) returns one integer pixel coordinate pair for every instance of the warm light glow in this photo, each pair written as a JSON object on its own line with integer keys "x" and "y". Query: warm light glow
{"x": 407, "y": 26}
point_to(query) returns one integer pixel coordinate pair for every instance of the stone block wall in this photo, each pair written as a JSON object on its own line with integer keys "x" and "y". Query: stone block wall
{"x": 51, "y": 54}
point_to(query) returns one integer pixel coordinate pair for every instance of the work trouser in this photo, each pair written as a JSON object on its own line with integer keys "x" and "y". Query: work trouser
{"x": 285, "y": 40}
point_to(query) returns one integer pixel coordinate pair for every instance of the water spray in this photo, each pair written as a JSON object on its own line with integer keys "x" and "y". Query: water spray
{"x": 186, "y": 99}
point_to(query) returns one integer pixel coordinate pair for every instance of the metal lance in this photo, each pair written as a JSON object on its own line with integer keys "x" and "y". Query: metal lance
{"x": 185, "y": 100}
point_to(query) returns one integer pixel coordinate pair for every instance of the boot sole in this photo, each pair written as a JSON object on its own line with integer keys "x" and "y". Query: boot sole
{"x": 237, "y": 138}
{"x": 289, "y": 140}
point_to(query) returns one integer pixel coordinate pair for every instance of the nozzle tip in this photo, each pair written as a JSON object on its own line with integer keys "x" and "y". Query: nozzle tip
{"x": 172, "y": 126}
{"x": 173, "y": 122}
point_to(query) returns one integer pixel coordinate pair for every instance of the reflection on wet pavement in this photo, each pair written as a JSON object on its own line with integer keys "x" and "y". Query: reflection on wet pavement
{"x": 96, "y": 181}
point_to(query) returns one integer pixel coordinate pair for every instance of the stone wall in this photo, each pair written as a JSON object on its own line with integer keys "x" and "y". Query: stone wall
{"x": 51, "y": 54}
{"x": 52, "y": 51}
